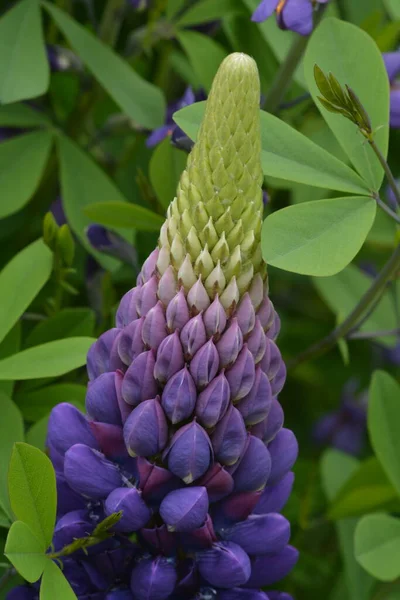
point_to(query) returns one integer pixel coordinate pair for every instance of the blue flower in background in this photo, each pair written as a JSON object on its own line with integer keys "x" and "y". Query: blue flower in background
{"x": 170, "y": 127}
{"x": 392, "y": 63}
{"x": 345, "y": 427}
{"x": 296, "y": 15}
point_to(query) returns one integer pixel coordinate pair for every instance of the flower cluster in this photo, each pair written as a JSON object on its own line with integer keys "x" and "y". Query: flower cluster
{"x": 184, "y": 432}
{"x": 296, "y": 15}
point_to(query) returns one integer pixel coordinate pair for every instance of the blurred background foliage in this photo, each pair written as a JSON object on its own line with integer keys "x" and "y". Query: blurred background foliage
{"x": 87, "y": 93}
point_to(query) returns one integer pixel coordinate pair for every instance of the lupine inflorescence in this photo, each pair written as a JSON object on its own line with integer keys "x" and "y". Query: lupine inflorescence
{"x": 184, "y": 432}
{"x": 296, "y": 15}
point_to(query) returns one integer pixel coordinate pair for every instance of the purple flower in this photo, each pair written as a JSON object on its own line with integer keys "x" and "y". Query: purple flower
{"x": 392, "y": 63}
{"x": 106, "y": 241}
{"x": 344, "y": 428}
{"x": 296, "y": 15}
{"x": 170, "y": 127}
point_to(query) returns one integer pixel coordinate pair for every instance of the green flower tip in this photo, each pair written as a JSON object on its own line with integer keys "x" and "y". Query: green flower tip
{"x": 212, "y": 231}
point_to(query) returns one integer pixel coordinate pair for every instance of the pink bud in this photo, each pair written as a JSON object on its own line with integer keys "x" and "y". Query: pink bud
{"x": 169, "y": 358}
{"x": 139, "y": 383}
{"x": 255, "y": 406}
{"x": 265, "y": 313}
{"x": 215, "y": 318}
{"x": 213, "y": 401}
{"x": 149, "y": 265}
{"x": 130, "y": 343}
{"x": 230, "y": 344}
{"x": 147, "y": 296}
{"x": 205, "y": 364}
{"x": 245, "y": 314}
{"x": 154, "y": 326}
{"x": 198, "y": 298}
{"x": 257, "y": 341}
{"x": 193, "y": 336}
{"x": 127, "y": 307}
{"x": 177, "y": 312}
{"x": 241, "y": 375}
{"x": 167, "y": 286}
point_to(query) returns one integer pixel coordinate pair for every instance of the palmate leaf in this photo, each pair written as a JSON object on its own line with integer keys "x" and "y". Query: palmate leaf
{"x": 25, "y": 551}
{"x": 377, "y": 546}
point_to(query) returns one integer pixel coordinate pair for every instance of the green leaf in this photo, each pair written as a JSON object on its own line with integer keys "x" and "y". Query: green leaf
{"x": 54, "y": 585}
{"x": 123, "y": 214}
{"x": 367, "y": 489}
{"x": 343, "y": 291}
{"x": 383, "y": 423}
{"x": 5, "y": 522}
{"x": 317, "y": 238}
{"x": 83, "y": 183}
{"x": 32, "y": 489}
{"x": 377, "y": 546}
{"x": 10, "y": 345}
{"x": 383, "y": 231}
{"x": 165, "y": 169}
{"x": 11, "y": 431}
{"x": 174, "y": 7}
{"x": 22, "y": 161}
{"x": 287, "y": 154}
{"x": 354, "y": 59}
{"x": 336, "y": 469}
{"x": 37, "y": 434}
{"x": 23, "y": 278}
{"x": 22, "y": 115}
{"x": 142, "y": 101}
{"x": 208, "y": 10}
{"x": 37, "y": 403}
{"x": 25, "y": 551}
{"x": 47, "y": 360}
{"x": 205, "y": 55}
{"x": 393, "y": 8}
{"x": 24, "y": 68}
{"x": 70, "y": 322}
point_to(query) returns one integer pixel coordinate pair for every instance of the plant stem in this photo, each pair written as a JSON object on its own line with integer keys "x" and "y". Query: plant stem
{"x": 386, "y": 168}
{"x": 111, "y": 21}
{"x": 287, "y": 69}
{"x": 387, "y": 208}
{"x": 390, "y": 268}
{"x": 366, "y": 335}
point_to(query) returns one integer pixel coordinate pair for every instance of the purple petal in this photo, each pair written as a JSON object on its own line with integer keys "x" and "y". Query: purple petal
{"x": 177, "y": 311}
{"x": 101, "y": 400}
{"x": 89, "y": 473}
{"x": 252, "y": 470}
{"x": 284, "y": 450}
{"x": 179, "y": 396}
{"x": 264, "y": 10}
{"x": 230, "y": 344}
{"x": 135, "y": 513}
{"x": 267, "y": 429}
{"x": 154, "y": 326}
{"x": 268, "y": 569}
{"x": 153, "y": 579}
{"x": 215, "y": 318}
{"x": 218, "y": 481}
{"x": 154, "y": 481}
{"x": 297, "y": 15}
{"x": 260, "y": 534}
{"x": 75, "y": 524}
{"x": 241, "y": 375}
{"x": 127, "y": 311}
{"x": 169, "y": 358}
{"x": 130, "y": 342}
{"x": 213, "y": 401}
{"x": 225, "y": 565}
{"x": 139, "y": 383}
{"x": 185, "y": 509}
{"x": 189, "y": 453}
{"x": 229, "y": 437}
{"x": 67, "y": 427}
{"x": 110, "y": 440}
{"x": 256, "y": 405}
{"x": 245, "y": 314}
{"x": 274, "y": 497}
{"x": 205, "y": 364}
{"x": 392, "y": 64}
{"x": 193, "y": 336}
{"x": 158, "y": 135}
{"x": 146, "y": 429}
{"x": 257, "y": 342}
{"x": 160, "y": 540}
{"x": 147, "y": 296}
{"x": 98, "y": 358}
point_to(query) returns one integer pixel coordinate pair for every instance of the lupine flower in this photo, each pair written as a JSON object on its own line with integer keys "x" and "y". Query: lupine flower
{"x": 296, "y": 15}
{"x": 345, "y": 428}
{"x": 392, "y": 63}
{"x": 184, "y": 429}
{"x": 109, "y": 242}
{"x": 170, "y": 127}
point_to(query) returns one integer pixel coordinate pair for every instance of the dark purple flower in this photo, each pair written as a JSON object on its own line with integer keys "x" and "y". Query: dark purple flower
{"x": 270, "y": 568}
{"x": 89, "y": 473}
{"x": 153, "y": 579}
{"x": 106, "y": 241}
{"x": 135, "y": 513}
{"x": 75, "y": 524}
{"x": 259, "y": 534}
{"x": 146, "y": 429}
{"x": 392, "y": 63}
{"x": 225, "y": 565}
{"x": 185, "y": 509}
{"x": 296, "y": 15}
{"x": 189, "y": 453}
{"x": 67, "y": 427}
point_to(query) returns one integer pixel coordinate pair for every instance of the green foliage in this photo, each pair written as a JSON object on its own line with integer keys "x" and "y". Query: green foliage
{"x": 353, "y": 58}
{"x": 165, "y": 168}
{"x": 10, "y": 345}
{"x": 206, "y": 11}
{"x": 24, "y": 70}
{"x": 122, "y": 214}
{"x": 69, "y": 322}
{"x": 383, "y": 423}
{"x": 377, "y": 546}
{"x": 54, "y": 584}
{"x": 140, "y": 100}
{"x": 32, "y": 489}
{"x": 25, "y": 154}
{"x": 25, "y": 551}
{"x": 204, "y": 55}
{"x": 23, "y": 277}
{"x": 37, "y": 403}
{"x": 11, "y": 431}
{"x": 22, "y": 115}
{"x": 47, "y": 360}
{"x": 317, "y": 238}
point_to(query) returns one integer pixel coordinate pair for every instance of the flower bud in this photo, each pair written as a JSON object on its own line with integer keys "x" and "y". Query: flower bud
{"x": 167, "y": 286}
{"x": 236, "y": 507}
{"x": 251, "y": 472}
{"x": 215, "y": 318}
{"x": 193, "y": 336}
{"x": 241, "y": 375}
{"x": 189, "y": 453}
{"x": 169, "y": 358}
{"x": 229, "y": 437}
{"x": 153, "y": 578}
{"x": 135, "y": 513}
{"x": 255, "y": 406}
{"x": 204, "y": 263}
{"x": 270, "y": 568}
{"x": 149, "y": 266}
{"x": 259, "y": 534}
{"x": 124, "y": 407}
{"x": 205, "y": 364}
{"x": 224, "y": 565}
{"x": 197, "y": 297}
{"x": 217, "y": 481}
{"x": 267, "y": 429}
{"x": 272, "y": 359}
{"x": 256, "y": 291}
{"x": 185, "y": 509}
{"x": 230, "y": 344}
{"x": 284, "y": 450}
{"x": 257, "y": 342}
{"x": 67, "y": 427}
{"x": 139, "y": 383}
{"x": 275, "y": 328}
{"x": 127, "y": 310}
{"x": 89, "y": 473}
{"x": 67, "y": 499}
{"x": 275, "y": 496}
{"x": 147, "y": 296}
{"x": 199, "y": 539}
{"x": 186, "y": 274}
{"x": 75, "y": 524}
{"x": 179, "y": 396}
{"x": 213, "y": 401}
{"x": 245, "y": 314}
{"x": 177, "y": 312}
{"x": 155, "y": 482}
{"x": 154, "y": 327}
{"x": 164, "y": 258}
{"x": 278, "y": 381}
{"x": 146, "y": 429}
{"x": 98, "y": 358}
{"x": 102, "y": 401}
{"x": 115, "y": 359}
{"x": 265, "y": 313}
{"x": 230, "y": 296}
{"x": 130, "y": 342}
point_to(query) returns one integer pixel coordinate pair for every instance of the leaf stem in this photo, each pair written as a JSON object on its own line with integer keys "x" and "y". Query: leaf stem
{"x": 387, "y": 208}
{"x": 366, "y": 335}
{"x": 284, "y": 76}
{"x": 380, "y": 282}
{"x": 386, "y": 168}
